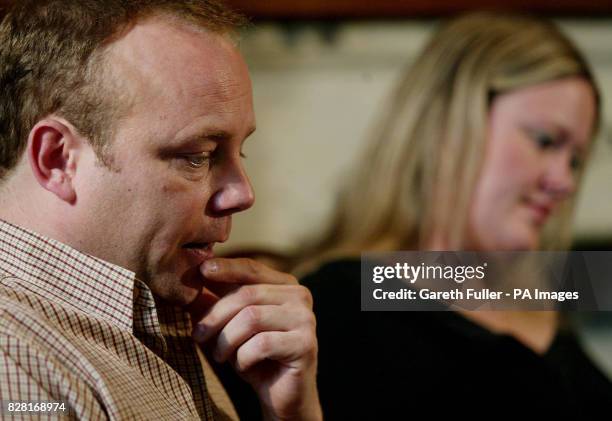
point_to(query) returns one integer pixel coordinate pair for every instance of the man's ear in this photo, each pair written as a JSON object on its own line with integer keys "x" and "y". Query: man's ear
{"x": 52, "y": 150}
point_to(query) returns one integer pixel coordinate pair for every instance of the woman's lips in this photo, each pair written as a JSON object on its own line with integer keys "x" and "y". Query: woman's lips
{"x": 541, "y": 212}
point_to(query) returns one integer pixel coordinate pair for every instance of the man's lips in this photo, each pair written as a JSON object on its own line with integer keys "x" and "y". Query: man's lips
{"x": 197, "y": 253}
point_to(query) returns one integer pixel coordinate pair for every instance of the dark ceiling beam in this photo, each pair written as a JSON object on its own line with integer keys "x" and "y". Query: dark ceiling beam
{"x": 396, "y": 9}
{"x": 404, "y": 9}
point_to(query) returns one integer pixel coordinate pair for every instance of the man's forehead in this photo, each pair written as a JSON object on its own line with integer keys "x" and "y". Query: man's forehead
{"x": 159, "y": 30}
{"x": 177, "y": 67}
{"x": 162, "y": 51}
{"x": 181, "y": 83}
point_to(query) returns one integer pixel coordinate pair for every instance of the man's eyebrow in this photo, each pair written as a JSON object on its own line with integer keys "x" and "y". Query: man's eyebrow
{"x": 206, "y": 136}
{"x": 214, "y": 135}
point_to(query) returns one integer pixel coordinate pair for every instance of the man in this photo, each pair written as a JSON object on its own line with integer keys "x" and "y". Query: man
{"x": 121, "y": 129}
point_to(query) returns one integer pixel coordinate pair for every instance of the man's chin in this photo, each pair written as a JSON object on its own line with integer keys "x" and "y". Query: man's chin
{"x": 181, "y": 291}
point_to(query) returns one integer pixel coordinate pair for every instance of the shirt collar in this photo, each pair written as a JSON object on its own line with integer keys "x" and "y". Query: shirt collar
{"x": 69, "y": 277}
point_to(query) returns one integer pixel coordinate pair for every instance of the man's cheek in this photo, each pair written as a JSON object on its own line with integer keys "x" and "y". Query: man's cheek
{"x": 182, "y": 209}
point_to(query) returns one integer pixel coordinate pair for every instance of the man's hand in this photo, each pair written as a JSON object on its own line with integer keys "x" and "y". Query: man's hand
{"x": 262, "y": 322}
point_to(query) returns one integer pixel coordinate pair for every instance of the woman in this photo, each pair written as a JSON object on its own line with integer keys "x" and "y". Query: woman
{"x": 481, "y": 148}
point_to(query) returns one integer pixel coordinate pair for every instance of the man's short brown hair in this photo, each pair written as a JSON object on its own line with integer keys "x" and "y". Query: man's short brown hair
{"x": 51, "y": 61}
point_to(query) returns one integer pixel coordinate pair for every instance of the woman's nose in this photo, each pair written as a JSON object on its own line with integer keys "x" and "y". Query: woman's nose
{"x": 559, "y": 179}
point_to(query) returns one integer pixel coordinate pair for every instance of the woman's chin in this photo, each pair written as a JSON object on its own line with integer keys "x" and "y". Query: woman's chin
{"x": 519, "y": 239}
{"x": 525, "y": 240}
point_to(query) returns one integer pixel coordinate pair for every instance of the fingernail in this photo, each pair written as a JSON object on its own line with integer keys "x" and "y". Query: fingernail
{"x": 199, "y": 333}
{"x": 210, "y": 266}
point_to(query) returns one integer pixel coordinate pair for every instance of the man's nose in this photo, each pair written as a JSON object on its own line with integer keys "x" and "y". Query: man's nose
{"x": 235, "y": 194}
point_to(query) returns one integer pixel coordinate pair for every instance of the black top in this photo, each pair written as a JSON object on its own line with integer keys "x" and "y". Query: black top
{"x": 395, "y": 365}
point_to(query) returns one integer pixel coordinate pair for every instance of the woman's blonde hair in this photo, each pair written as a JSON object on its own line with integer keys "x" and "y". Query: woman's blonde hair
{"x": 418, "y": 174}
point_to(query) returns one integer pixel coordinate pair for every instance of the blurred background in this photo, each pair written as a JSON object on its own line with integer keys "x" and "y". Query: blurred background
{"x": 318, "y": 84}
{"x": 320, "y": 71}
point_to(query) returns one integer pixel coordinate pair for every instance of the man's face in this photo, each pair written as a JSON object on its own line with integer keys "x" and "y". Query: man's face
{"x": 177, "y": 174}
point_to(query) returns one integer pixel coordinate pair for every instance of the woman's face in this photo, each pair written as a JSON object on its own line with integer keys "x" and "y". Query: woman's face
{"x": 537, "y": 139}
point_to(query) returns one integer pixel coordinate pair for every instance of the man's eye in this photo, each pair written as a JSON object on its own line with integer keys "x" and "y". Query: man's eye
{"x": 198, "y": 160}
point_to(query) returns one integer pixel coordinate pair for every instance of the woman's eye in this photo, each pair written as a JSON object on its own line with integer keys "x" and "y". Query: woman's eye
{"x": 543, "y": 140}
{"x": 575, "y": 163}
